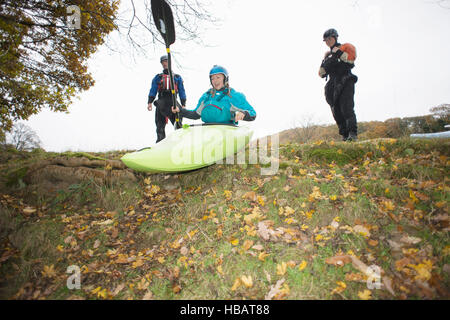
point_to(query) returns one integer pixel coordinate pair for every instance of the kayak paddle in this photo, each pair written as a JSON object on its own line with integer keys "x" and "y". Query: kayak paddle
{"x": 163, "y": 17}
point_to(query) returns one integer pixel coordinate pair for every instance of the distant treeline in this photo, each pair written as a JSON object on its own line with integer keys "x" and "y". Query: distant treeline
{"x": 391, "y": 128}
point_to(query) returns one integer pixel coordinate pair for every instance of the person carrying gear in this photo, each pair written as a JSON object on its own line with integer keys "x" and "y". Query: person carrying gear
{"x": 161, "y": 86}
{"x": 340, "y": 88}
{"x": 220, "y": 104}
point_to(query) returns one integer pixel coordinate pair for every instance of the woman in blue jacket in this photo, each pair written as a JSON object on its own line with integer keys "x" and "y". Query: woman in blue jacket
{"x": 220, "y": 104}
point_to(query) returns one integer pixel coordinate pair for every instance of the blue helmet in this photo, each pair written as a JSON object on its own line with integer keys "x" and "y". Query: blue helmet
{"x": 217, "y": 70}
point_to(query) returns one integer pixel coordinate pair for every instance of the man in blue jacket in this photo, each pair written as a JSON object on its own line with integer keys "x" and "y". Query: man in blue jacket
{"x": 220, "y": 104}
{"x": 161, "y": 86}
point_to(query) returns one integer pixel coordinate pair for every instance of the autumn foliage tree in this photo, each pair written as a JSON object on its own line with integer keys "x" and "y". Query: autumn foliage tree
{"x": 43, "y": 53}
{"x": 44, "y": 46}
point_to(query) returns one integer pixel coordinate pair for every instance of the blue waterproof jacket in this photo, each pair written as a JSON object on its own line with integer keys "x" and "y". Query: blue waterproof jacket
{"x": 221, "y": 107}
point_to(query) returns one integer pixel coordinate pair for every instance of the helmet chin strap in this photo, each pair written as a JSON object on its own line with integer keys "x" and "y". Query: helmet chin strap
{"x": 225, "y": 88}
{"x": 336, "y": 44}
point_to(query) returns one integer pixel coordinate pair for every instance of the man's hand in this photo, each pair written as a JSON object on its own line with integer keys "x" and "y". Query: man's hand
{"x": 175, "y": 109}
{"x": 149, "y": 107}
{"x": 239, "y": 116}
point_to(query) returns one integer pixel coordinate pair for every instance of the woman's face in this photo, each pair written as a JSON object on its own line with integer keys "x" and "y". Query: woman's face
{"x": 217, "y": 81}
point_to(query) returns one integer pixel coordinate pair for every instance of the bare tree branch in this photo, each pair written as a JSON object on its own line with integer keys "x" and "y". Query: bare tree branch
{"x": 442, "y": 3}
{"x": 23, "y": 138}
{"x": 190, "y": 18}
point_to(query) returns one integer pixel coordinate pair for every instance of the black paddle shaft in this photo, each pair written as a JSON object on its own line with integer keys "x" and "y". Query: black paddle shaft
{"x": 163, "y": 17}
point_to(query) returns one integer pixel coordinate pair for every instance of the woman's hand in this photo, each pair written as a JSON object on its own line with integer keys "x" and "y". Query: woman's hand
{"x": 175, "y": 109}
{"x": 239, "y": 116}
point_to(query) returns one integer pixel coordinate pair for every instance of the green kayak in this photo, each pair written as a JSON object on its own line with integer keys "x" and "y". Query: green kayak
{"x": 189, "y": 148}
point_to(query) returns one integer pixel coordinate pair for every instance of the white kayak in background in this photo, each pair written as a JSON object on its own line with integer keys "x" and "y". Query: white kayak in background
{"x": 435, "y": 135}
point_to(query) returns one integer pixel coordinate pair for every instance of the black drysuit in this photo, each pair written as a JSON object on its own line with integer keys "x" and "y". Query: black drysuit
{"x": 164, "y": 103}
{"x": 163, "y": 111}
{"x": 339, "y": 92}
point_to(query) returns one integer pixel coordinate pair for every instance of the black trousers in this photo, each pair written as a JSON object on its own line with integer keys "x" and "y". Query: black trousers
{"x": 162, "y": 112}
{"x": 339, "y": 93}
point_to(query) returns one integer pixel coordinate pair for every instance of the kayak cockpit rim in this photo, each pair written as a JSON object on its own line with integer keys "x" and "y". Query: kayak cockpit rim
{"x": 213, "y": 124}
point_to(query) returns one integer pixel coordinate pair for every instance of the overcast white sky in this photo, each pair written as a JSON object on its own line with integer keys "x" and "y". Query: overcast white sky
{"x": 272, "y": 50}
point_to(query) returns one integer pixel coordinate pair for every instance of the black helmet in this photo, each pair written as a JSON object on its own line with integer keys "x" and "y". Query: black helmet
{"x": 330, "y": 33}
{"x": 164, "y": 57}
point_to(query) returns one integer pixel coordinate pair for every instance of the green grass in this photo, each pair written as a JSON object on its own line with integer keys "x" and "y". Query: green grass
{"x": 350, "y": 182}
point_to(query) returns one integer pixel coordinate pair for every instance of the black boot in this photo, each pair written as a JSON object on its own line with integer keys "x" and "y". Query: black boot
{"x": 160, "y": 136}
{"x": 352, "y": 137}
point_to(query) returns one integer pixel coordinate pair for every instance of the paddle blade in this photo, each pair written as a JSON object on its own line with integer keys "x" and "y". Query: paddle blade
{"x": 163, "y": 17}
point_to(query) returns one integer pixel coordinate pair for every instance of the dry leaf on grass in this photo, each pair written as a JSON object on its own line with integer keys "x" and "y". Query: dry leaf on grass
{"x": 361, "y": 266}
{"x": 262, "y": 256}
{"x": 355, "y": 277}
{"x": 339, "y": 260}
{"x": 247, "y": 281}
{"x": 373, "y": 243}
{"x": 220, "y": 270}
{"x": 365, "y": 295}
{"x": 267, "y": 276}
{"x": 258, "y": 247}
{"x": 148, "y": 296}
{"x": 281, "y": 268}
{"x": 176, "y": 289}
{"x": 395, "y": 245}
{"x": 236, "y": 284}
{"x": 274, "y": 290}
{"x": 387, "y": 282}
{"x": 340, "y": 288}
{"x": 118, "y": 289}
{"x": 184, "y": 251}
{"x": 247, "y": 244}
{"x": 302, "y": 265}
{"x": 115, "y": 233}
{"x": 75, "y": 297}
{"x": 263, "y": 230}
{"x": 361, "y": 230}
{"x": 410, "y": 240}
{"x": 251, "y": 195}
{"x": 29, "y": 210}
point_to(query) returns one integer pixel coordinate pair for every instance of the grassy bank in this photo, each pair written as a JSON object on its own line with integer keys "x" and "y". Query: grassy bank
{"x": 333, "y": 217}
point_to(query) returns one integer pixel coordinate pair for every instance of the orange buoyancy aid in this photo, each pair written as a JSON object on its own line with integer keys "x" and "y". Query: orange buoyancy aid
{"x": 349, "y": 54}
